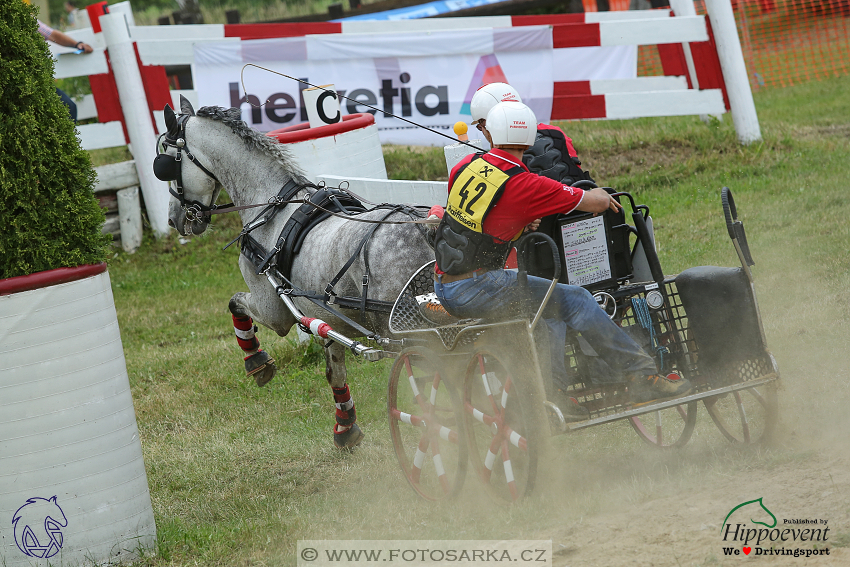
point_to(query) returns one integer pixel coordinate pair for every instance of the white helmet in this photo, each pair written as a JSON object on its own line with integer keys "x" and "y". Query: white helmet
{"x": 512, "y": 124}
{"x": 488, "y": 96}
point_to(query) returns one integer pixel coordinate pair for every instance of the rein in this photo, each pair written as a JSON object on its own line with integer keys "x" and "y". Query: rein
{"x": 274, "y": 202}
{"x": 169, "y": 168}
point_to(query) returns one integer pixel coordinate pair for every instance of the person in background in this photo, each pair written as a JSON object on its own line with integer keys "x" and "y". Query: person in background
{"x": 65, "y": 40}
{"x": 493, "y": 198}
{"x": 70, "y": 9}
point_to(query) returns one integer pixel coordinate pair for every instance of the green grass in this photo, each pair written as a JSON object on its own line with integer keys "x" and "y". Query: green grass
{"x": 238, "y": 474}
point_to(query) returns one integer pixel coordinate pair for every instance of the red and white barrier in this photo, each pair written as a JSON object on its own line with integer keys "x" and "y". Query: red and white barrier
{"x": 687, "y": 44}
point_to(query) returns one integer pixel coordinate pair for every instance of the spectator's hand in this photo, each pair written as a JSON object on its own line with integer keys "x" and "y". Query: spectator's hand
{"x": 85, "y": 47}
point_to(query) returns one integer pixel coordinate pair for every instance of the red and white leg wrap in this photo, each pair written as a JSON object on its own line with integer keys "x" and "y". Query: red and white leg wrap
{"x": 316, "y": 326}
{"x": 345, "y": 413}
{"x": 244, "y": 327}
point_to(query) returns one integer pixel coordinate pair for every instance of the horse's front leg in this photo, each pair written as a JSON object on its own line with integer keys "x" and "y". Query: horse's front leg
{"x": 347, "y": 435}
{"x": 258, "y": 363}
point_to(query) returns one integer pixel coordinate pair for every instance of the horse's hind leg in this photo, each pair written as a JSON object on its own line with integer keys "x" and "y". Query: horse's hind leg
{"x": 347, "y": 434}
{"x": 258, "y": 363}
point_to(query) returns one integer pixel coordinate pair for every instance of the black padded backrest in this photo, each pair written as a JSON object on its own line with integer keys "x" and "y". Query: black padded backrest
{"x": 721, "y": 313}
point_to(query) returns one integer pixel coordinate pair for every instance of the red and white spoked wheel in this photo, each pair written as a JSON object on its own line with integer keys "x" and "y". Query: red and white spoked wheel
{"x": 667, "y": 428}
{"x": 424, "y": 425}
{"x": 501, "y": 432}
{"x": 746, "y": 417}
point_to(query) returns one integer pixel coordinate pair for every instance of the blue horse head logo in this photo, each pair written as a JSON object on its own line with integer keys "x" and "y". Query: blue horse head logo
{"x": 38, "y": 527}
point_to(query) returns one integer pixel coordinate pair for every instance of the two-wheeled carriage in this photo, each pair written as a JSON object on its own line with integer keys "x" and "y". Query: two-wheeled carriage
{"x": 468, "y": 391}
{"x": 475, "y": 391}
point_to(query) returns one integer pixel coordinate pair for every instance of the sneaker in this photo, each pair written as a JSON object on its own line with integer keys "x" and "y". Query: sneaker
{"x": 570, "y": 408}
{"x": 645, "y": 389}
{"x": 431, "y": 309}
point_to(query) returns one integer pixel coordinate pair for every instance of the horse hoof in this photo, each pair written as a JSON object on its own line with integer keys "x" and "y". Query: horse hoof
{"x": 261, "y": 366}
{"x": 350, "y": 439}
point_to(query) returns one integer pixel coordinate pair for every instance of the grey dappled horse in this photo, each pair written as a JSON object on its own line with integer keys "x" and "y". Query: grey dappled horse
{"x": 252, "y": 168}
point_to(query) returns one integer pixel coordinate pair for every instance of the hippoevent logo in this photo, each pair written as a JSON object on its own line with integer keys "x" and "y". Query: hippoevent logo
{"x": 789, "y": 537}
{"x": 395, "y": 96}
{"x": 38, "y": 527}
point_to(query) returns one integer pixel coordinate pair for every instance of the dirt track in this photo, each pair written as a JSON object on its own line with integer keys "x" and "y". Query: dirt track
{"x": 667, "y": 509}
{"x": 684, "y": 527}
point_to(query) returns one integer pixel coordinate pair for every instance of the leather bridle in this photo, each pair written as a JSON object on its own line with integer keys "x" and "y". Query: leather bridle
{"x": 168, "y": 168}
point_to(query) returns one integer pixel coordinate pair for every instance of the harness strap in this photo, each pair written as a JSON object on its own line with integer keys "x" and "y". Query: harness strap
{"x": 260, "y": 258}
{"x": 329, "y": 290}
{"x": 283, "y": 198}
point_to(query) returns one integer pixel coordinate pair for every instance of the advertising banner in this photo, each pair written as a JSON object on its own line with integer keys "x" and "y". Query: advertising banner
{"x": 427, "y": 78}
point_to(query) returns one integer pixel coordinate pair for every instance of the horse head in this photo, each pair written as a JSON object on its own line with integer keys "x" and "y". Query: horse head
{"x": 194, "y": 188}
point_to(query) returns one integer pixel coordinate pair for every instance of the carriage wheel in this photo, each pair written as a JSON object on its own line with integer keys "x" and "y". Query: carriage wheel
{"x": 503, "y": 431}
{"x": 424, "y": 425}
{"x": 667, "y": 428}
{"x": 745, "y": 417}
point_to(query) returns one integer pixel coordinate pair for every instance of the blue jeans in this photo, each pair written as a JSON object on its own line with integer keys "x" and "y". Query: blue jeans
{"x": 497, "y": 291}
{"x": 66, "y": 100}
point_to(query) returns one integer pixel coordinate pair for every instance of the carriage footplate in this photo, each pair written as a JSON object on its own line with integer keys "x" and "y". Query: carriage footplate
{"x": 563, "y": 408}
{"x": 611, "y": 403}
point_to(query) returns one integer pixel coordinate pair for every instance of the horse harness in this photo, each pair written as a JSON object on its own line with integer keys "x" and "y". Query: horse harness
{"x": 323, "y": 203}
{"x": 167, "y": 168}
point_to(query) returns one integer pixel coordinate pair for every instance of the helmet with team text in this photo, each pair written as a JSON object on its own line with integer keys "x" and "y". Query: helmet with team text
{"x": 511, "y": 124}
{"x": 489, "y": 96}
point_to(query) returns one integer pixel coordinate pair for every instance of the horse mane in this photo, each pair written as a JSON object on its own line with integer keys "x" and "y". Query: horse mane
{"x": 232, "y": 117}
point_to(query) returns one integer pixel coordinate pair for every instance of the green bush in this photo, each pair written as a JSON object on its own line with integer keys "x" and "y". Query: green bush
{"x": 49, "y": 217}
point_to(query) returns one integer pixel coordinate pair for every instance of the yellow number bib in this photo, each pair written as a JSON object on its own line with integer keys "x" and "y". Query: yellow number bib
{"x": 475, "y": 189}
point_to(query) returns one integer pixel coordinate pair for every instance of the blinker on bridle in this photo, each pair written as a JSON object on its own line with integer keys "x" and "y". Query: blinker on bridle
{"x": 167, "y": 168}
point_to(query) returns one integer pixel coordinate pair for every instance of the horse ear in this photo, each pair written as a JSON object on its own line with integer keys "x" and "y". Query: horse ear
{"x": 170, "y": 118}
{"x": 186, "y": 106}
{"x": 52, "y": 500}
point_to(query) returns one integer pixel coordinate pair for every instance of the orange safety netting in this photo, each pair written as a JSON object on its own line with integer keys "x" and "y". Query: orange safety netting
{"x": 785, "y": 42}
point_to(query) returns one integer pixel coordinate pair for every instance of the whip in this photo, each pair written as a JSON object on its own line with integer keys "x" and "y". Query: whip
{"x": 336, "y": 94}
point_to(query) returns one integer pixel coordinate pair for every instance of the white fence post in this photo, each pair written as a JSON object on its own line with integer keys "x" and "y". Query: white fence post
{"x": 130, "y": 219}
{"x": 687, "y": 8}
{"x": 134, "y": 105}
{"x": 731, "y": 57}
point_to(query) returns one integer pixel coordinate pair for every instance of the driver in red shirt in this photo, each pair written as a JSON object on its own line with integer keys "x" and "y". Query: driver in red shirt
{"x": 493, "y": 198}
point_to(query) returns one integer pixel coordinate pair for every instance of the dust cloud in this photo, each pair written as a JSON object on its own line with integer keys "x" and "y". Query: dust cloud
{"x": 606, "y": 498}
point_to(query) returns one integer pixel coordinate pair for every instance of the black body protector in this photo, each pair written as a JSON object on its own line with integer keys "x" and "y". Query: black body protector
{"x": 461, "y": 245}
{"x": 550, "y": 157}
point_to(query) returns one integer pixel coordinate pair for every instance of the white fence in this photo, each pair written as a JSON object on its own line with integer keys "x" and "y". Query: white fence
{"x": 640, "y": 97}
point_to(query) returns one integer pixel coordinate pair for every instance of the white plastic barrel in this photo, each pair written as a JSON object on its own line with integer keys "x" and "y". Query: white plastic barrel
{"x": 73, "y": 488}
{"x": 348, "y": 148}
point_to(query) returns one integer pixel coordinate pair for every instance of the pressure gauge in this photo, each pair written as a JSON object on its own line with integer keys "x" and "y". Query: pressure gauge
{"x": 654, "y": 299}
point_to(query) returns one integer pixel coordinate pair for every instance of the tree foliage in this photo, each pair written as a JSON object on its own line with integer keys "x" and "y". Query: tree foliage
{"x": 49, "y": 217}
